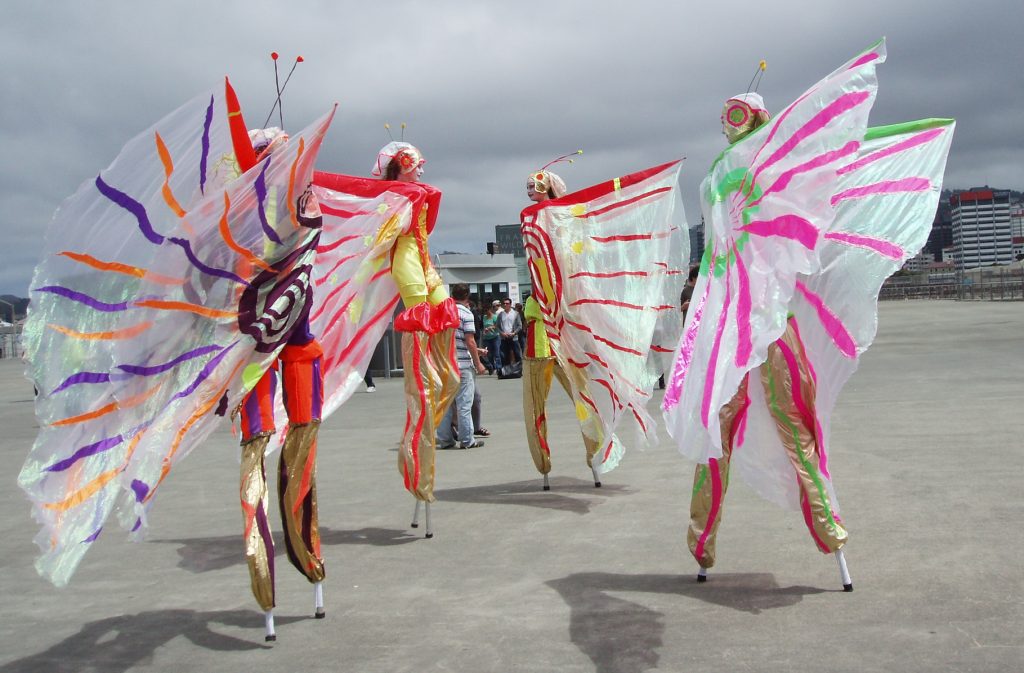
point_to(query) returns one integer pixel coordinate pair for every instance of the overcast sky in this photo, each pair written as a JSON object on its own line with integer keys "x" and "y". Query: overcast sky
{"x": 490, "y": 90}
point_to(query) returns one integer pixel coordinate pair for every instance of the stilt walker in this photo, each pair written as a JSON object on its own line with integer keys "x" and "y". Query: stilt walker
{"x": 806, "y": 216}
{"x": 540, "y": 365}
{"x": 596, "y": 257}
{"x": 198, "y": 255}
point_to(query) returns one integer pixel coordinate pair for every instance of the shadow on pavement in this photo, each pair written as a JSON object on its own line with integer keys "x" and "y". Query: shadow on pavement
{"x": 529, "y": 494}
{"x": 116, "y": 644}
{"x": 621, "y": 636}
{"x": 205, "y": 554}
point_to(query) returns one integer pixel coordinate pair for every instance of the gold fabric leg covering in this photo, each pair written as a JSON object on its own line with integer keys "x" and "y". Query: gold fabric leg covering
{"x": 431, "y": 381}
{"x": 591, "y": 444}
{"x": 710, "y": 483}
{"x": 297, "y": 497}
{"x": 537, "y": 374}
{"x": 259, "y": 545}
{"x": 786, "y": 378}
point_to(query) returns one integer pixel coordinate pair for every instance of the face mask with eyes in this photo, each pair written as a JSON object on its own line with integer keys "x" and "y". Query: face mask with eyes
{"x": 544, "y": 184}
{"x": 741, "y": 115}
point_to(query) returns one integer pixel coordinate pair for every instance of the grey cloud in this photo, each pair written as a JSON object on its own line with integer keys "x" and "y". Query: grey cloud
{"x": 490, "y": 90}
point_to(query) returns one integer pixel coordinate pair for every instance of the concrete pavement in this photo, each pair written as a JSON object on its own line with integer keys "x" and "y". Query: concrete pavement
{"x": 927, "y": 455}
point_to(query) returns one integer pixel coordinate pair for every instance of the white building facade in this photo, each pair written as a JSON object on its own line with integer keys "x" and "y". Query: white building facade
{"x": 981, "y": 228}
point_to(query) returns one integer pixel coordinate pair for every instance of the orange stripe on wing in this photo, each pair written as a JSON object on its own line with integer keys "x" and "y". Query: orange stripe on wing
{"x": 125, "y": 333}
{"x": 113, "y": 406}
{"x": 225, "y": 233}
{"x": 185, "y": 306}
{"x": 94, "y": 486}
{"x": 291, "y": 183}
{"x": 165, "y": 159}
{"x": 180, "y": 435}
{"x": 117, "y": 267}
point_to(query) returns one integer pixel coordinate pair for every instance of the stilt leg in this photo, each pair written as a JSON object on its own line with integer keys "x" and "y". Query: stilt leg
{"x": 547, "y": 486}
{"x": 430, "y": 530}
{"x": 597, "y": 476}
{"x": 318, "y": 600}
{"x": 416, "y": 516}
{"x": 268, "y": 621}
{"x": 702, "y": 575}
{"x": 843, "y": 572}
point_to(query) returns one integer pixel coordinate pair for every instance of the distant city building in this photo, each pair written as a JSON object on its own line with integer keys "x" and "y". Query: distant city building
{"x": 510, "y": 240}
{"x": 948, "y": 253}
{"x": 941, "y": 235}
{"x": 981, "y": 228}
{"x": 489, "y": 277}
{"x": 919, "y": 262}
{"x": 1018, "y": 247}
{"x": 1017, "y": 219}
{"x": 697, "y": 242}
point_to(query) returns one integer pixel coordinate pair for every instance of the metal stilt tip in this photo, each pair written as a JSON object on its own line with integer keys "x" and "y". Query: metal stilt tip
{"x": 597, "y": 484}
{"x": 270, "y": 638}
{"x": 320, "y": 613}
{"x": 428, "y": 536}
{"x": 414, "y": 525}
{"x": 547, "y": 487}
{"x": 702, "y": 578}
{"x": 847, "y": 588}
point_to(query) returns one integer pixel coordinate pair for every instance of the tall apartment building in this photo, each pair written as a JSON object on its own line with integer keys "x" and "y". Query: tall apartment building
{"x": 981, "y": 228}
{"x": 697, "y": 242}
{"x": 509, "y": 239}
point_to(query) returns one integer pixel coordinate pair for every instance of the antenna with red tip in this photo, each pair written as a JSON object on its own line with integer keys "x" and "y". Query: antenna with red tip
{"x": 280, "y": 89}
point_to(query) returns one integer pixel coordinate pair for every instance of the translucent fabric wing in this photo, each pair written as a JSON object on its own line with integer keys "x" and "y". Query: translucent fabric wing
{"x": 165, "y": 288}
{"x": 669, "y": 325}
{"x": 600, "y": 259}
{"x": 806, "y": 217}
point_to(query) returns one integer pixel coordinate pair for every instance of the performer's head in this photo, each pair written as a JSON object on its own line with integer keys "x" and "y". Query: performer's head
{"x": 266, "y": 141}
{"x": 399, "y": 161}
{"x": 543, "y": 185}
{"x": 742, "y": 115}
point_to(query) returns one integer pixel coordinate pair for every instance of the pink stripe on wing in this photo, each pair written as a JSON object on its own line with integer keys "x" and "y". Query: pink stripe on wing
{"x": 709, "y": 380}
{"x": 787, "y": 226}
{"x": 884, "y": 187}
{"x": 913, "y": 141}
{"x": 836, "y": 330}
{"x": 744, "y": 344}
{"x": 881, "y": 246}
{"x": 685, "y": 357}
{"x": 839, "y": 106}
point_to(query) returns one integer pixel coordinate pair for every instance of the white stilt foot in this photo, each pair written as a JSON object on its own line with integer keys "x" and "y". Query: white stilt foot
{"x": 702, "y": 575}
{"x": 597, "y": 476}
{"x": 318, "y": 600}
{"x": 547, "y": 486}
{"x": 430, "y": 530}
{"x": 416, "y": 516}
{"x": 844, "y": 574}
{"x": 268, "y": 622}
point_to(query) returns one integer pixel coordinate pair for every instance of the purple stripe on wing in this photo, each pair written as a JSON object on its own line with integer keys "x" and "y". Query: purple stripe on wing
{"x": 83, "y": 298}
{"x": 158, "y": 369}
{"x": 206, "y": 146}
{"x": 133, "y": 207}
{"x": 92, "y": 538}
{"x": 85, "y": 452}
{"x": 82, "y": 377}
{"x": 208, "y": 270}
{"x": 205, "y": 373}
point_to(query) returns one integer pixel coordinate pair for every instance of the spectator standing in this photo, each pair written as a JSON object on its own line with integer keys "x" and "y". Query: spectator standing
{"x": 468, "y": 356}
{"x": 510, "y": 324}
{"x": 491, "y": 336}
